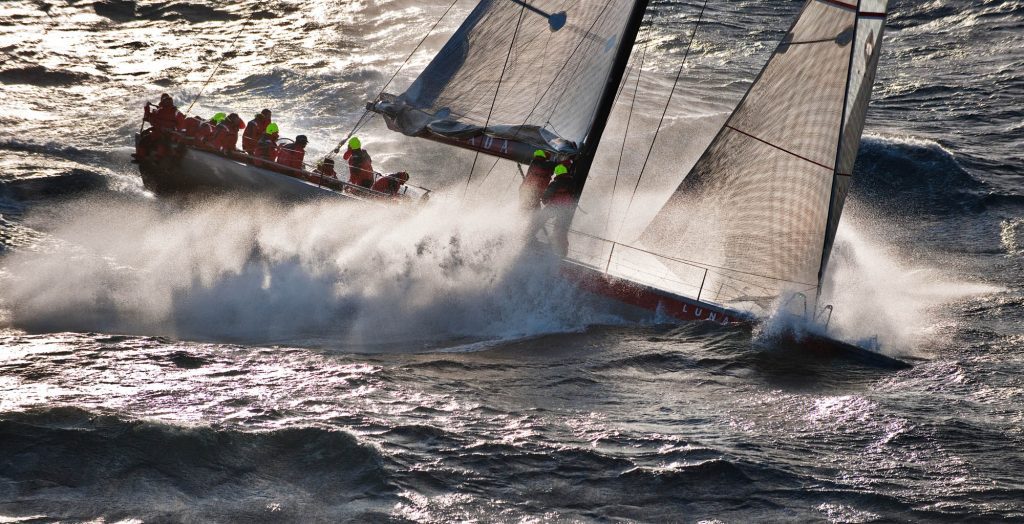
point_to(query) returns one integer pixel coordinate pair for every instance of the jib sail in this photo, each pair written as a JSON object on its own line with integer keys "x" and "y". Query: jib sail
{"x": 513, "y": 79}
{"x": 757, "y": 214}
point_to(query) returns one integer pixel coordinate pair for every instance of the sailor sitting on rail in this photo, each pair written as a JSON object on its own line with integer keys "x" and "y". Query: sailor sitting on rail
{"x": 266, "y": 148}
{"x": 291, "y": 155}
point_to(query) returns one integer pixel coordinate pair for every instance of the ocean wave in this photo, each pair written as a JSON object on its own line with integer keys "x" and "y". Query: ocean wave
{"x": 913, "y": 175}
{"x": 40, "y": 76}
{"x": 74, "y": 464}
{"x": 128, "y": 11}
{"x": 71, "y": 182}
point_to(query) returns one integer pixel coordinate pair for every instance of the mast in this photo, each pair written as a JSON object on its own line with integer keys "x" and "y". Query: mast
{"x": 581, "y": 167}
{"x": 826, "y": 248}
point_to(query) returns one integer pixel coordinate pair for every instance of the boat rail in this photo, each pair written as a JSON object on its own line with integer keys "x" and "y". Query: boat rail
{"x": 308, "y": 175}
{"x": 686, "y": 278}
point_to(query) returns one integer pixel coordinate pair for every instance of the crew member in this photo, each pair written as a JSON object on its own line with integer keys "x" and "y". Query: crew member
{"x": 391, "y": 184}
{"x": 166, "y": 116}
{"x": 225, "y": 136}
{"x": 163, "y": 121}
{"x": 254, "y": 131}
{"x": 291, "y": 155}
{"x": 191, "y": 126}
{"x": 558, "y": 202}
{"x": 538, "y": 176}
{"x": 266, "y": 148}
{"x": 326, "y": 169}
{"x": 360, "y": 166}
{"x": 204, "y": 136}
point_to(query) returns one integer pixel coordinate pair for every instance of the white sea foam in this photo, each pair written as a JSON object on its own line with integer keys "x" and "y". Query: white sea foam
{"x": 257, "y": 271}
{"x": 903, "y": 297}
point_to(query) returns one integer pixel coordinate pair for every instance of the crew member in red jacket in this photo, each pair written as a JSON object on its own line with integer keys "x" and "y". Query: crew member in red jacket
{"x": 163, "y": 120}
{"x": 360, "y": 165}
{"x": 254, "y": 131}
{"x": 266, "y": 148}
{"x": 225, "y": 136}
{"x": 538, "y": 176}
{"x": 291, "y": 155}
{"x": 166, "y": 116}
{"x": 191, "y": 126}
{"x": 391, "y": 184}
{"x": 204, "y": 137}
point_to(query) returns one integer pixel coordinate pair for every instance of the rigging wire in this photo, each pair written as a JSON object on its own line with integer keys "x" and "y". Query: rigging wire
{"x": 494, "y": 100}
{"x": 219, "y": 63}
{"x": 363, "y": 120}
{"x": 661, "y": 121}
{"x": 572, "y": 76}
{"x": 629, "y": 120}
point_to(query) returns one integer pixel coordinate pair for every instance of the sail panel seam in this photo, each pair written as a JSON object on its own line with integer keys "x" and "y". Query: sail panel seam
{"x": 819, "y": 41}
{"x": 693, "y": 263}
{"x": 784, "y": 150}
{"x": 837, "y": 3}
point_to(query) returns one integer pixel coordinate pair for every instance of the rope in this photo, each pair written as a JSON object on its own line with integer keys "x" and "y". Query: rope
{"x": 363, "y": 120}
{"x": 219, "y": 63}
{"x": 497, "y": 90}
{"x": 664, "y": 112}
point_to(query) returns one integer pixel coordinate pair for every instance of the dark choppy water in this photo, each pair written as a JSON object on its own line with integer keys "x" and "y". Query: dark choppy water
{"x": 377, "y": 368}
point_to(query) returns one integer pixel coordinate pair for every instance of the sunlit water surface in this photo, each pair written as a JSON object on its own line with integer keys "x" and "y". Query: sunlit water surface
{"x": 238, "y": 360}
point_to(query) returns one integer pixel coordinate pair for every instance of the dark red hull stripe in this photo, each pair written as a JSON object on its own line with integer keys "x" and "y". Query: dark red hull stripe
{"x": 645, "y": 297}
{"x": 868, "y": 14}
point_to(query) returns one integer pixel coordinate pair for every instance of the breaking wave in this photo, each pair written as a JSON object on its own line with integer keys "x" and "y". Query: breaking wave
{"x": 912, "y": 175}
{"x": 317, "y": 273}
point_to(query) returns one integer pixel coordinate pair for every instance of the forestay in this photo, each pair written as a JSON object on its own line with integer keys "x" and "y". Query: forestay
{"x": 510, "y": 81}
{"x": 757, "y": 214}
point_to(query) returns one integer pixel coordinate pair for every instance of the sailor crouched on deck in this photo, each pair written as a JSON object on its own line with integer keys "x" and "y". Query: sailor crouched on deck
{"x": 391, "y": 184}
{"x": 225, "y": 135}
{"x": 266, "y": 148}
{"x": 536, "y": 181}
{"x": 360, "y": 165}
{"x": 291, "y": 155}
{"x": 558, "y": 202}
{"x": 254, "y": 130}
{"x": 326, "y": 169}
{"x": 204, "y": 137}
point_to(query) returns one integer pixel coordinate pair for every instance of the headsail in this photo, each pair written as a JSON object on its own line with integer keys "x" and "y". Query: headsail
{"x": 509, "y": 81}
{"x": 757, "y": 214}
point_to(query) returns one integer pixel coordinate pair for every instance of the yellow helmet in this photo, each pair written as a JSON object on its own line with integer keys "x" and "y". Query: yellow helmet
{"x": 540, "y": 154}
{"x": 354, "y": 143}
{"x": 218, "y": 118}
{"x": 272, "y": 128}
{"x": 560, "y": 169}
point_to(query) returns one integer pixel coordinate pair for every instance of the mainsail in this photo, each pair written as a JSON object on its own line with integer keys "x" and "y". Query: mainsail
{"x": 757, "y": 214}
{"x": 510, "y": 81}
